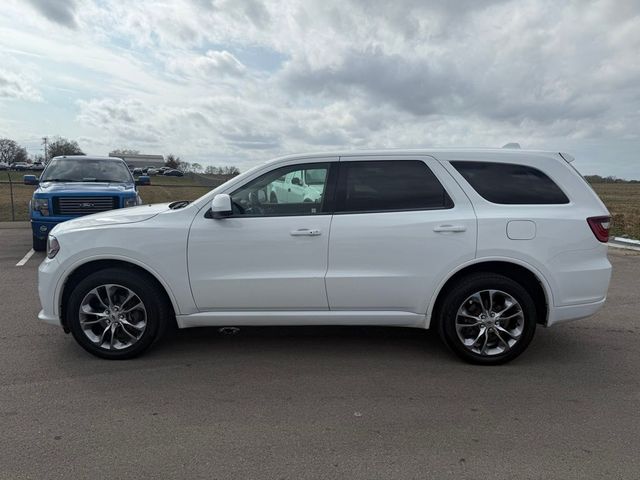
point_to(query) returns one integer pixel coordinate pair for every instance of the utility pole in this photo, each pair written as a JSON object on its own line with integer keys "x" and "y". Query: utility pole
{"x": 44, "y": 141}
{"x": 13, "y": 208}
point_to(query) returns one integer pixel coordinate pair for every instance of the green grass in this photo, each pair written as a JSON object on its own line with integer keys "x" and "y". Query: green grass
{"x": 622, "y": 199}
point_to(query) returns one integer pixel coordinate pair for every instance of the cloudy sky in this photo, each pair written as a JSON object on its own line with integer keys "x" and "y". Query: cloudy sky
{"x": 241, "y": 81}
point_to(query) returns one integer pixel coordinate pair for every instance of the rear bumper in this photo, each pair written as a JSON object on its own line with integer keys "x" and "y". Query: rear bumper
{"x": 573, "y": 312}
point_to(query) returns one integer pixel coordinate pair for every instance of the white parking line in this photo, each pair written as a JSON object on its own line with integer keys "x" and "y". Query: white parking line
{"x": 26, "y": 258}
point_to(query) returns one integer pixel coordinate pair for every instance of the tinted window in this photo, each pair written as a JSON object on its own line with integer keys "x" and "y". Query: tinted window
{"x": 510, "y": 184}
{"x": 389, "y": 185}
{"x": 292, "y": 190}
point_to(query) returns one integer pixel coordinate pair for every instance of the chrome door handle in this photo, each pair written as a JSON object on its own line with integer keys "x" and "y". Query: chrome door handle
{"x": 305, "y": 232}
{"x": 450, "y": 228}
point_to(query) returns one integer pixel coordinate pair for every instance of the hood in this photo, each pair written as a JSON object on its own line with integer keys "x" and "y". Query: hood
{"x": 84, "y": 187}
{"x": 112, "y": 217}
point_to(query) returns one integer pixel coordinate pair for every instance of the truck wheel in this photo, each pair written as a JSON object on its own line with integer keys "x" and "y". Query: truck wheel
{"x": 117, "y": 313}
{"x": 39, "y": 245}
{"x": 487, "y": 319}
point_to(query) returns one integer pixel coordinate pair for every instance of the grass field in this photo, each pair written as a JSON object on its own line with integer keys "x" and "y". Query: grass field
{"x": 622, "y": 199}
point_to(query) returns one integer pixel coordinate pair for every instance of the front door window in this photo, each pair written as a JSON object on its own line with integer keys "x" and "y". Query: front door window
{"x": 293, "y": 190}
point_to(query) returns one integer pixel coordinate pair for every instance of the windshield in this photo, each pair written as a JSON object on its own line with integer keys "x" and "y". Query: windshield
{"x": 86, "y": 170}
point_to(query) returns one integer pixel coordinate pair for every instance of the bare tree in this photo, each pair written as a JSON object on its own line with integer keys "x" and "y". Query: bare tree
{"x": 62, "y": 146}
{"x": 123, "y": 151}
{"x": 231, "y": 171}
{"x": 172, "y": 161}
{"x": 228, "y": 170}
{"x": 11, "y": 152}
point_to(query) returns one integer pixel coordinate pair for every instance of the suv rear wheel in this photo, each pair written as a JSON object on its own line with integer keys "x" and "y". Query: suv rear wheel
{"x": 116, "y": 313}
{"x": 487, "y": 319}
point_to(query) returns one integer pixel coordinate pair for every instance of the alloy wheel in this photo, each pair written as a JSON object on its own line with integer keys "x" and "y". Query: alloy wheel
{"x": 490, "y": 322}
{"x": 112, "y": 317}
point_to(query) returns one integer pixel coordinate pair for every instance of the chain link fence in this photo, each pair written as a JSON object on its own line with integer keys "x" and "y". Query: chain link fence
{"x": 15, "y": 196}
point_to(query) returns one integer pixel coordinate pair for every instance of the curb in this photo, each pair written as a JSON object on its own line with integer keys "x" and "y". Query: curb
{"x": 625, "y": 243}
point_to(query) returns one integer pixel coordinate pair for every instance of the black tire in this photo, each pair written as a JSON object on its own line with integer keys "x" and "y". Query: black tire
{"x": 466, "y": 287}
{"x": 158, "y": 310}
{"x": 39, "y": 245}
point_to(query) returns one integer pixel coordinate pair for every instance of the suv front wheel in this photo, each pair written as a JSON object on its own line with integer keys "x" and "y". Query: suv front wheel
{"x": 487, "y": 319}
{"x": 116, "y": 313}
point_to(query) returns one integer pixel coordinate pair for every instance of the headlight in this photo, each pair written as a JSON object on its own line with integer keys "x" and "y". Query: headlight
{"x": 40, "y": 205}
{"x": 53, "y": 247}
{"x": 130, "y": 202}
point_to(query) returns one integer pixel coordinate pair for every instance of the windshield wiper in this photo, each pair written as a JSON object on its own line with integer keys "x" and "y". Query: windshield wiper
{"x": 58, "y": 180}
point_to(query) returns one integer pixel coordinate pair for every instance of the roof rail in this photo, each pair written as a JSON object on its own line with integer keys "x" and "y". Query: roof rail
{"x": 566, "y": 157}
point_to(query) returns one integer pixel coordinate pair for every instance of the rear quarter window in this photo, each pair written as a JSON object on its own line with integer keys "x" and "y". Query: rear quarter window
{"x": 511, "y": 184}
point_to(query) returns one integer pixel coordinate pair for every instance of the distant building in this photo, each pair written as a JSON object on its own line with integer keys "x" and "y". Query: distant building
{"x": 140, "y": 160}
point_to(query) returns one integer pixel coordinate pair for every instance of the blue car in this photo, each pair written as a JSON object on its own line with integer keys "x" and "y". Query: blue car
{"x": 73, "y": 186}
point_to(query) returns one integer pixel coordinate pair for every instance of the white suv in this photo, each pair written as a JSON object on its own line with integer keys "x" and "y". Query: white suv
{"x": 482, "y": 245}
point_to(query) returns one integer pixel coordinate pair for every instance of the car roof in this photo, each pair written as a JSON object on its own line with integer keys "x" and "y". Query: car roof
{"x": 441, "y": 152}
{"x": 471, "y": 154}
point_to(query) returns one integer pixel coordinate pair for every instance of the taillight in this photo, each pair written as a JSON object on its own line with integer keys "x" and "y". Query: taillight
{"x": 600, "y": 227}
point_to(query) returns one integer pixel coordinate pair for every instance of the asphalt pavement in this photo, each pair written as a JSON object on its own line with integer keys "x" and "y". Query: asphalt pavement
{"x": 316, "y": 403}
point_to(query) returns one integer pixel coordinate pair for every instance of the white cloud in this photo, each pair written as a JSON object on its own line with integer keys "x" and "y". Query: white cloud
{"x": 122, "y": 121}
{"x": 17, "y": 87}
{"x": 212, "y": 65}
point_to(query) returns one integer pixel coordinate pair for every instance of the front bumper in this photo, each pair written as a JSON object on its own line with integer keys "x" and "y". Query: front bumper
{"x": 48, "y": 277}
{"x": 41, "y": 227}
{"x": 47, "y": 318}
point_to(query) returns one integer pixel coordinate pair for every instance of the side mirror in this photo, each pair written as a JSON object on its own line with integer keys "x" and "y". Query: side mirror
{"x": 296, "y": 181}
{"x": 143, "y": 180}
{"x": 30, "y": 180}
{"x": 221, "y": 206}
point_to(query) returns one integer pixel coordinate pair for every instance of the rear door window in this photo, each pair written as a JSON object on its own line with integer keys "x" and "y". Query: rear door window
{"x": 389, "y": 185}
{"x": 510, "y": 184}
